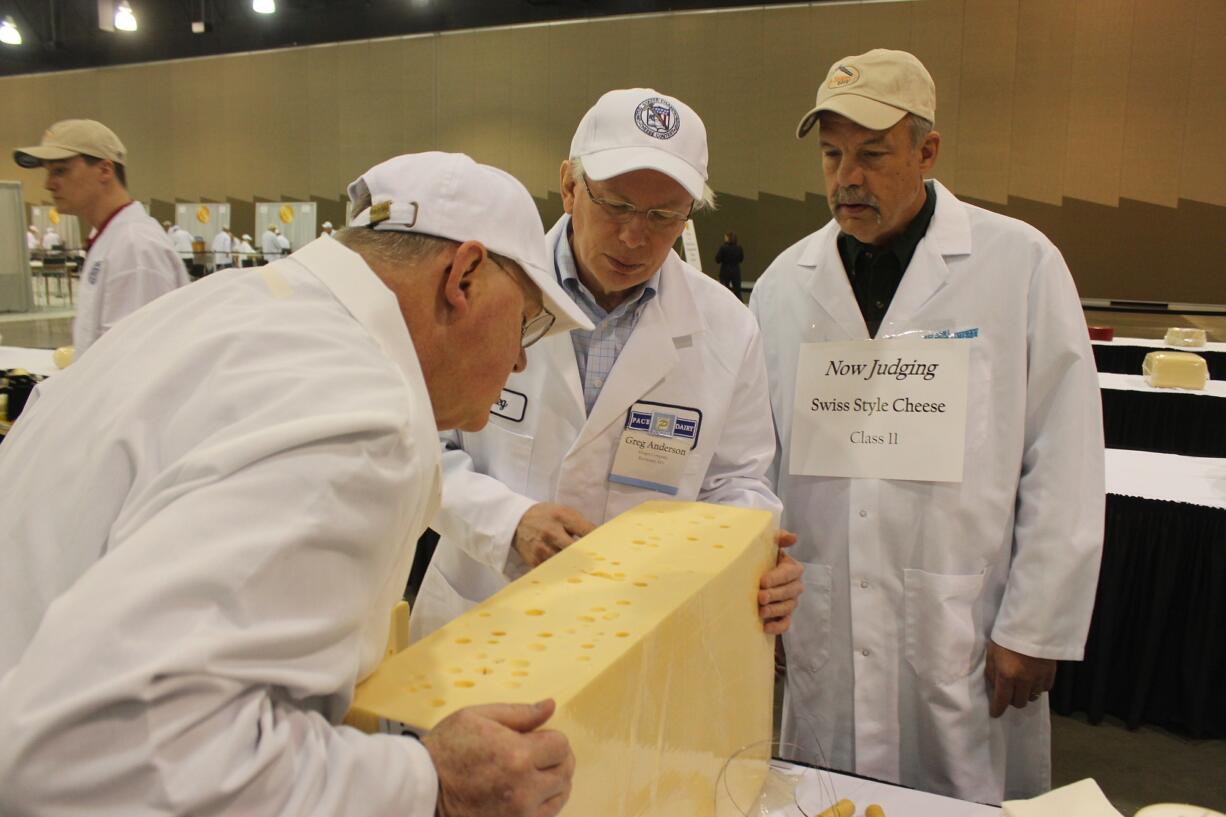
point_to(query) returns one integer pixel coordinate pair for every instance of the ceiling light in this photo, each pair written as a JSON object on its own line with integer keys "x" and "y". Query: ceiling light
{"x": 264, "y": 6}
{"x": 125, "y": 20}
{"x": 9, "y": 35}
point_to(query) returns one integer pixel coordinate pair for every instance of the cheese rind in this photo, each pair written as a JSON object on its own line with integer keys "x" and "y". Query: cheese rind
{"x": 1177, "y": 370}
{"x": 645, "y": 632}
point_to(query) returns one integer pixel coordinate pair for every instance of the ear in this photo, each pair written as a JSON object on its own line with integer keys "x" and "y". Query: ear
{"x": 566, "y": 184}
{"x": 929, "y": 151}
{"x": 460, "y": 275}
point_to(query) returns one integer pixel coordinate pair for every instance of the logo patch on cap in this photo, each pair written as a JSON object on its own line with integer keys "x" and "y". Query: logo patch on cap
{"x": 843, "y": 75}
{"x": 657, "y": 118}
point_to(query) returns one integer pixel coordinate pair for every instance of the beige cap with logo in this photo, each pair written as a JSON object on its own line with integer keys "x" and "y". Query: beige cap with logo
{"x": 74, "y": 137}
{"x": 875, "y": 90}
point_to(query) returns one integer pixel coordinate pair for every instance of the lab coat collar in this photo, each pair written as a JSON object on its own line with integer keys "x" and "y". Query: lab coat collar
{"x": 366, "y": 298}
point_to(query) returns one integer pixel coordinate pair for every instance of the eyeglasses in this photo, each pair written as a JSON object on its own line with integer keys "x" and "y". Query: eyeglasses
{"x": 622, "y": 212}
{"x": 534, "y": 328}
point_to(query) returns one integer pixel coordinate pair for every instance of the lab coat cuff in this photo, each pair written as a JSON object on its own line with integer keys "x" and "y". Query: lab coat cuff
{"x": 1035, "y": 649}
{"x": 421, "y": 781}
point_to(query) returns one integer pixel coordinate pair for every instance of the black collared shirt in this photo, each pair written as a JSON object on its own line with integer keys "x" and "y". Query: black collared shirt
{"x": 875, "y": 272}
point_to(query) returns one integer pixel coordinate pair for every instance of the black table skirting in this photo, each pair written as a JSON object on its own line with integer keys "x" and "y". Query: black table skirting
{"x": 1128, "y": 359}
{"x": 1156, "y": 651}
{"x": 1168, "y": 422}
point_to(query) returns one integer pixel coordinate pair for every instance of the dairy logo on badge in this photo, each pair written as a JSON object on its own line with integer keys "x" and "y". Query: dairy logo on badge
{"x": 93, "y": 272}
{"x": 657, "y": 118}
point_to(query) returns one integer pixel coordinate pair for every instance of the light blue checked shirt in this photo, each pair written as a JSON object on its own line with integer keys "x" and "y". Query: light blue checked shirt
{"x": 596, "y": 351}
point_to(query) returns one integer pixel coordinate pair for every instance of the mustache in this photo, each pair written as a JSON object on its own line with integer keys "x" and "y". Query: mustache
{"x": 854, "y": 195}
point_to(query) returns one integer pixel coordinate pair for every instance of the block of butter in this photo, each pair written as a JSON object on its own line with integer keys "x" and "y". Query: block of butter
{"x": 1083, "y": 799}
{"x": 646, "y": 633}
{"x": 1178, "y": 370}
{"x": 1184, "y": 336}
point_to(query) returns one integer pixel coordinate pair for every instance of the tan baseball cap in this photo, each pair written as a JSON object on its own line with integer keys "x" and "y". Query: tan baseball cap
{"x": 74, "y": 137}
{"x": 875, "y": 90}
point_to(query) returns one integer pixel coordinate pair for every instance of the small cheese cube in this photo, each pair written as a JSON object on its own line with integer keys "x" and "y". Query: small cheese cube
{"x": 1177, "y": 370}
{"x": 1184, "y": 336}
{"x": 646, "y": 633}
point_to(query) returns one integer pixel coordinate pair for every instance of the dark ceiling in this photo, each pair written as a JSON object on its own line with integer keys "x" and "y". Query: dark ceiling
{"x": 64, "y": 34}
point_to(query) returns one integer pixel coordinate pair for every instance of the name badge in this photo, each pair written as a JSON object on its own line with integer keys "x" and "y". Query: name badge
{"x": 882, "y": 409}
{"x": 511, "y": 405}
{"x": 654, "y": 444}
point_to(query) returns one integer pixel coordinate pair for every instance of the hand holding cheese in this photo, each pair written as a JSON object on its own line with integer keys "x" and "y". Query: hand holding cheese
{"x": 491, "y": 762}
{"x": 781, "y": 586}
{"x": 546, "y": 528}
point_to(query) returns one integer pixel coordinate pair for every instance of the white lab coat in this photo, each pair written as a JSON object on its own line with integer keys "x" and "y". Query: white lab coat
{"x": 283, "y": 243}
{"x": 222, "y": 245}
{"x": 244, "y": 253}
{"x": 52, "y": 240}
{"x": 906, "y": 581}
{"x": 208, "y": 520}
{"x": 31, "y": 240}
{"x": 695, "y": 346}
{"x": 130, "y": 263}
{"x": 182, "y": 241}
{"x": 270, "y": 248}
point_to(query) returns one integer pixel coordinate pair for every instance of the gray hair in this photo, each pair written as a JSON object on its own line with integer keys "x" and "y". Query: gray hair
{"x": 707, "y": 202}
{"x": 920, "y": 128}
{"x": 399, "y": 247}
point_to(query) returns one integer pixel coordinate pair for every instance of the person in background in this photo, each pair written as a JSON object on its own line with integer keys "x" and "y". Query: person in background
{"x": 52, "y": 241}
{"x": 283, "y": 244}
{"x": 244, "y": 253}
{"x": 168, "y": 644}
{"x": 729, "y": 257}
{"x": 269, "y": 247}
{"x": 33, "y": 243}
{"x": 927, "y": 639}
{"x": 223, "y": 249}
{"x": 182, "y": 240}
{"x": 327, "y": 230}
{"x": 129, "y": 261}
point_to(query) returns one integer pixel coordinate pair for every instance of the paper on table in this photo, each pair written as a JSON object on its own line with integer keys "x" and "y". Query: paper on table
{"x": 1083, "y": 798}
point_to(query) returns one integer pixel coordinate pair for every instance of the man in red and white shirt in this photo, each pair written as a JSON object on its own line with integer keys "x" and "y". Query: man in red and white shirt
{"x": 130, "y": 261}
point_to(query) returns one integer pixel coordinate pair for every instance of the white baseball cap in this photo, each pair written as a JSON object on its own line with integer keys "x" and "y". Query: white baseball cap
{"x": 448, "y": 195}
{"x": 327, "y": 224}
{"x": 643, "y": 129}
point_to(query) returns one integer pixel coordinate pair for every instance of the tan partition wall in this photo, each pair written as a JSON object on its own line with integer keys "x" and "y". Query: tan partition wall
{"x": 1099, "y": 121}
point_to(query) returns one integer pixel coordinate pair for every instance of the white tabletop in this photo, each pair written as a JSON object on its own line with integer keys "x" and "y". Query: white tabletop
{"x": 1136, "y": 382}
{"x": 818, "y": 790}
{"x": 1159, "y": 343}
{"x": 37, "y": 361}
{"x": 1175, "y": 478}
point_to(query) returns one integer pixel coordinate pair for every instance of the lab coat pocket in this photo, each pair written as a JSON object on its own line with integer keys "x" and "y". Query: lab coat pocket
{"x": 943, "y": 642}
{"x": 807, "y": 642}
{"x": 507, "y": 456}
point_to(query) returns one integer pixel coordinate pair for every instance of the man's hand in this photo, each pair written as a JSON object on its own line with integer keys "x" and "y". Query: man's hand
{"x": 545, "y": 529}
{"x": 1015, "y": 678}
{"x": 491, "y": 763}
{"x": 780, "y": 587}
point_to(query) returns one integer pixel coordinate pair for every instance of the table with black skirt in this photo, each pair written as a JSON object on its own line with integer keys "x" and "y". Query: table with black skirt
{"x": 1168, "y": 421}
{"x": 1156, "y": 651}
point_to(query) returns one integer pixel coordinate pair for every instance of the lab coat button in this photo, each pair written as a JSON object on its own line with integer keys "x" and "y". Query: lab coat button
{"x": 863, "y": 583}
{"x": 864, "y": 652}
{"x": 863, "y": 514}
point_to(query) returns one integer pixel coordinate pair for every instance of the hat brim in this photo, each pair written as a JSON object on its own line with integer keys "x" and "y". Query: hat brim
{"x": 865, "y": 112}
{"x": 566, "y": 313}
{"x": 31, "y": 158}
{"x": 605, "y": 164}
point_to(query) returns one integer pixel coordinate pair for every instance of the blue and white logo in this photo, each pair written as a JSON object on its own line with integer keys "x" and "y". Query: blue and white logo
{"x": 662, "y": 424}
{"x": 657, "y": 118}
{"x": 94, "y": 269}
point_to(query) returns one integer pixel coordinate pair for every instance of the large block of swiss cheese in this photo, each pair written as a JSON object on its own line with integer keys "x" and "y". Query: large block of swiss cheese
{"x": 646, "y": 633}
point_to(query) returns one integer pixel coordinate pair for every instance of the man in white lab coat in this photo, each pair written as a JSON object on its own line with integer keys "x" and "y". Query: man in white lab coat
{"x": 270, "y": 248}
{"x": 244, "y": 253}
{"x": 327, "y": 230}
{"x": 222, "y": 246}
{"x": 130, "y": 260}
{"x": 673, "y": 355}
{"x": 32, "y": 239}
{"x": 189, "y": 599}
{"x": 937, "y": 605}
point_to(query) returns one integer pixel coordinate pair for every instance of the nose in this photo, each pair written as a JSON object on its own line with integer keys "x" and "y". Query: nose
{"x": 634, "y": 232}
{"x": 48, "y": 182}
{"x": 521, "y": 362}
{"x": 850, "y": 173}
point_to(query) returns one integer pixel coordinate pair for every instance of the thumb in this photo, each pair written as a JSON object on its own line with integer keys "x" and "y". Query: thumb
{"x": 576, "y": 524}
{"x": 519, "y": 717}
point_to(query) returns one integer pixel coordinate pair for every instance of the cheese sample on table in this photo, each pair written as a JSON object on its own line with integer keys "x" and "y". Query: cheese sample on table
{"x": 646, "y": 633}
{"x": 1083, "y": 799}
{"x": 1102, "y": 333}
{"x": 1177, "y": 370}
{"x": 1184, "y": 336}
